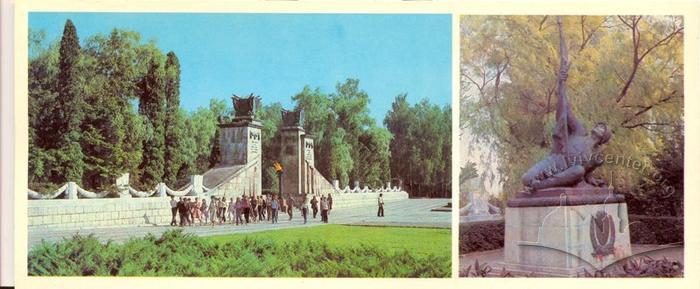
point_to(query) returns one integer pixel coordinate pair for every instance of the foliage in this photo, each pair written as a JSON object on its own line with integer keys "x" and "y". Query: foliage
{"x": 152, "y": 107}
{"x": 179, "y": 254}
{"x": 655, "y": 229}
{"x": 634, "y": 268}
{"x": 482, "y": 270}
{"x": 660, "y": 192}
{"x": 421, "y": 153}
{"x": 68, "y": 109}
{"x": 112, "y": 131}
{"x": 489, "y": 235}
{"x": 641, "y": 267}
{"x": 420, "y": 241}
{"x": 481, "y": 236}
{"x": 173, "y": 120}
{"x": 349, "y": 145}
{"x": 626, "y": 71}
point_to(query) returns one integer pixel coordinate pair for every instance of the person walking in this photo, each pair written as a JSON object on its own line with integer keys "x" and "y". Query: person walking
{"x": 173, "y": 210}
{"x": 231, "y": 210}
{"x": 246, "y": 208}
{"x": 380, "y": 203}
{"x": 213, "y": 209}
{"x": 253, "y": 208}
{"x": 305, "y": 207}
{"x": 197, "y": 210}
{"x": 269, "y": 208}
{"x": 205, "y": 211}
{"x": 274, "y": 206}
{"x": 262, "y": 207}
{"x": 314, "y": 206}
{"x": 238, "y": 207}
{"x": 290, "y": 207}
{"x": 182, "y": 210}
{"x": 324, "y": 209}
{"x": 188, "y": 211}
{"x": 224, "y": 206}
{"x": 330, "y": 205}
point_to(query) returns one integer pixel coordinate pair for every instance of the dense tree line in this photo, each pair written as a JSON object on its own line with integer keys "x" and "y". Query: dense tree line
{"x": 421, "y": 150}
{"x": 626, "y": 71}
{"x": 112, "y": 106}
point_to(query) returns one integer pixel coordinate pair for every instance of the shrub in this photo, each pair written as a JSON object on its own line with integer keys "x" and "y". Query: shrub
{"x": 642, "y": 267}
{"x": 179, "y": 254}
{"x": 655, "y": 230}
{"x": 639, "y": 267}
{"x": 483, "y": 270}
{"x": 481, "y": 236}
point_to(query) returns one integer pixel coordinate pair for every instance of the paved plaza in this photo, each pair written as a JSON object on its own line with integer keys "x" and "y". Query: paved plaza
{"x": 408, "y": 212}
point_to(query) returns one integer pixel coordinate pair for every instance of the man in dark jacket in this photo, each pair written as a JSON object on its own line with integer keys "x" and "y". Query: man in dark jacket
{"x": 330, "y": 204}
{"x": 290, "y": 206}
{"x": 314, "y": 206}
{"x": 173, "y": 209}
{"x": 182, "y": 209}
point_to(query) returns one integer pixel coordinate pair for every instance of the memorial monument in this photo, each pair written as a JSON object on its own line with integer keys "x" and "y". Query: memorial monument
{"x": 293, "y": 153}
{"x": 565, "y": 220}
{"x": 240, "y": 147}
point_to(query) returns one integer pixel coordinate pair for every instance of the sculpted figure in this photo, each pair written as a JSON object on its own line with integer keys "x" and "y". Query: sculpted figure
{"x": 245, "y": 107}
{"x": 575, "y": 153}
{"x": 293, "y": 117}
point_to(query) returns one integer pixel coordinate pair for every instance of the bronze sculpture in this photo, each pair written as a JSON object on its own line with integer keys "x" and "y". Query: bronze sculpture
{"x": 292, "y": 117}
{"x": 575, "y": 154}
{"x": 245, "y": 108}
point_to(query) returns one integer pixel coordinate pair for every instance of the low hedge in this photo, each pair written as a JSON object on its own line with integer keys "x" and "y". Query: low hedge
{"x": 481, "y": 236}
{"x": 490, "y": 235}
{"x": 655, "y": 230}
{"x": 178, "y": 254}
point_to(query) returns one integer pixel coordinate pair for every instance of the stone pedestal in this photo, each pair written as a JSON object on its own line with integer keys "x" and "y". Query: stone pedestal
{"x": 292, "y": 159}
{"x": 562, "y": 231}
{"x": 239, "y": 142}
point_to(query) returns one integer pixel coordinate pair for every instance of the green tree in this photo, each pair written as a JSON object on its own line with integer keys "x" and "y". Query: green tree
{"x": 350, "y": 105}
{"x": 421, "y": 147}
{"x": 152, "y": 106}
{"x": 373, "y": 166}
{"x": 43, "y": 74}
{"x": 67, "y": 115}
{"x": 113, "y": 132}
{"x": 173, "y": 132}
{"x": 626, "y": 71}
{"x": 319, "y": 124}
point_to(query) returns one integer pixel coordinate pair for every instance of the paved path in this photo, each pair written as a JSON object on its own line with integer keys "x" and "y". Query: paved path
{"x": 410, "y": 212}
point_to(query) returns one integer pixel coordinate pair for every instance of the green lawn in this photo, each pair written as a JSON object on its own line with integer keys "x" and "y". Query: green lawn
{"x": 420, "y": 241}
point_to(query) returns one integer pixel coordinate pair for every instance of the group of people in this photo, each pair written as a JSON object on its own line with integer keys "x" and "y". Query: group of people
{"x": 243, "y": 210}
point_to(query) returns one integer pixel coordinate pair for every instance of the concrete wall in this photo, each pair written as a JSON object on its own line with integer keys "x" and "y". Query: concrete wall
{"x": 58, "y": 214}
{"x": 91, "y": 213}
{"x": 368, "y": 200}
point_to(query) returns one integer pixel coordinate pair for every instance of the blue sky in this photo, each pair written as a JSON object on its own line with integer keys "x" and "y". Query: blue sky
{"x": 275, "y": 55}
